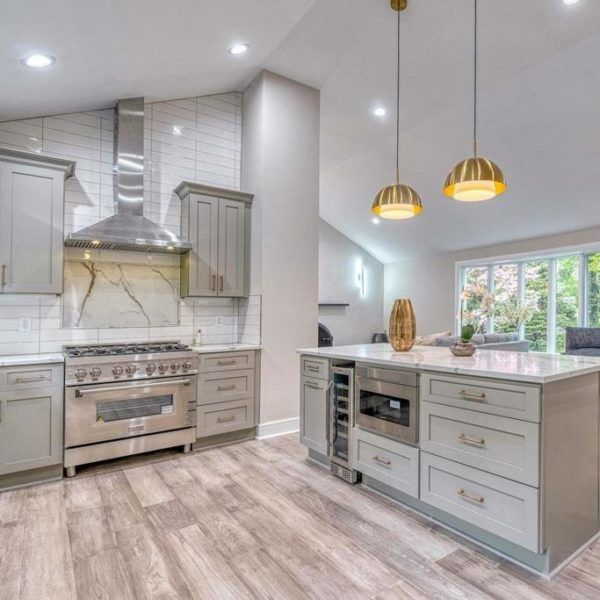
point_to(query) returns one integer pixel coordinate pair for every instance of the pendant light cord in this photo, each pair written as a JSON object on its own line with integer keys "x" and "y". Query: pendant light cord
{"x": 475, "y": 81}
{"x": 398, "y": 103}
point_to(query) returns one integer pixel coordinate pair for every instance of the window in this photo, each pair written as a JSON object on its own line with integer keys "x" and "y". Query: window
{"x": 537, "y": 297}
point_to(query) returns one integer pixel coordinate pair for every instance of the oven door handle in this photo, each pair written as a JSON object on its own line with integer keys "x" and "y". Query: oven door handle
{"x": 79, "y": 393}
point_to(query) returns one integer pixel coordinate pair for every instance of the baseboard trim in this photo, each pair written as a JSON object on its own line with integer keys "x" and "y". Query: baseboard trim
{"x": 275, "y": 428}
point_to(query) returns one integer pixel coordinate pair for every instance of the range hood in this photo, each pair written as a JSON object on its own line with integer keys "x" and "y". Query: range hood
{"x": 128, "y": 229}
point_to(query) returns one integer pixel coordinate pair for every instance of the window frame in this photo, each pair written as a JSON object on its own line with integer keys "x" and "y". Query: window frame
{"x": 582, "y": 251}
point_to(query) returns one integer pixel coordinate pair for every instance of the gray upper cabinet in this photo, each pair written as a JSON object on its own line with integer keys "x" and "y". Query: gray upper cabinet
{"x": 217, "y": 222}
{"x": 31, "y": 222}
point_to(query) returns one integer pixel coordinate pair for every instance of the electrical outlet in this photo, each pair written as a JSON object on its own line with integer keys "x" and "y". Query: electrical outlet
{"x": 25, "y": 324}
{"x": 219, "y": 321}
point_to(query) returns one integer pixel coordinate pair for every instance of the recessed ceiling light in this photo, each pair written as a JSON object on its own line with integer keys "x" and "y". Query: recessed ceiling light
{"x": 375, "y": 220}
{"x": 39, "y": 61}
{"x": 567, "y": 2}
{"x": 177, "y": 130}
{"x": 239, "y": 49}
{"x": 379, "y": 111}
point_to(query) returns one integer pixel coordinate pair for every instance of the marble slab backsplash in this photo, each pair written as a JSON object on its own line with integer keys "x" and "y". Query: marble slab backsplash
{"x": 111, "y": 297}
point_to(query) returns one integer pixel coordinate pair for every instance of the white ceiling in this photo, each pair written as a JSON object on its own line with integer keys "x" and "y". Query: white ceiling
{"x": 539, "y": 107}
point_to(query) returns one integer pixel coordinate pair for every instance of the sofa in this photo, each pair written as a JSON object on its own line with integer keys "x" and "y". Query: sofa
{"x": 484, "y": 341}
{"x": 583, "y": 341}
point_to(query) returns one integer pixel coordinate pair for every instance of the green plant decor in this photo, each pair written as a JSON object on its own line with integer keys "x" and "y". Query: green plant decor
{"x": 466, "y": 333}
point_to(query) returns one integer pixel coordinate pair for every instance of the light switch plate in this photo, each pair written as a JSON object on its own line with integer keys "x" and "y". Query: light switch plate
{"x": 25, "y": 324}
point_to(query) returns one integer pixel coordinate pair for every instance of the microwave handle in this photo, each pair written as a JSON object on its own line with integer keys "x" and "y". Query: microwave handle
{"x": 80, "y": 392}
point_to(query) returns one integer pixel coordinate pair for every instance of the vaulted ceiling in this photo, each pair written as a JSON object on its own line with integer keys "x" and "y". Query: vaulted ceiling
{"x": 539, "y": 85}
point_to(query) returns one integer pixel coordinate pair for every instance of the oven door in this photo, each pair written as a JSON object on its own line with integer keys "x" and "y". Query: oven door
{"x": 387, "y": 408}
{"x": 98, "y": 413}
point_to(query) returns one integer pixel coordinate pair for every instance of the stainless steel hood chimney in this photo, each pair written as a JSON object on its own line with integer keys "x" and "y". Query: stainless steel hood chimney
{"x": 128, "y": 229}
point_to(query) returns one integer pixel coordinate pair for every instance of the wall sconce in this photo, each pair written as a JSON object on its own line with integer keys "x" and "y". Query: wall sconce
{"x": 360, "y": 277}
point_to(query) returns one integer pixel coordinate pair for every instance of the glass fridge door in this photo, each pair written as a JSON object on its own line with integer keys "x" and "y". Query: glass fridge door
{"x": 341, "y": 407}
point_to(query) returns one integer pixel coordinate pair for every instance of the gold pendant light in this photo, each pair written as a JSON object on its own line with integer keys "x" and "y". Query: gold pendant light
{"x": 397, "y": 201}
{"x": 477, "y": 178}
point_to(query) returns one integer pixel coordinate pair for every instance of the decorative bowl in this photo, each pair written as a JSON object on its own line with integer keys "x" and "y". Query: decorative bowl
{"x": 463, "y": 349}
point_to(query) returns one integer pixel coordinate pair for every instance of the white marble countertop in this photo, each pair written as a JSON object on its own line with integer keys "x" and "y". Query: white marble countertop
{"x": 13, "y": 360}
{"x": 529, "y": 367}
{"x": 209, "y": 348}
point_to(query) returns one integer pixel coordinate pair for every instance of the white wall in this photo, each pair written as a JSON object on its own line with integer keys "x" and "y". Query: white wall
{"x": 429, "y": 280}
{"x": 339, "y": 261}
{"x": 280, "y": 156}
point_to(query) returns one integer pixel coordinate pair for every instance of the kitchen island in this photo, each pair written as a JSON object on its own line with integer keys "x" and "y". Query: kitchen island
{"x": 501, "y": 447}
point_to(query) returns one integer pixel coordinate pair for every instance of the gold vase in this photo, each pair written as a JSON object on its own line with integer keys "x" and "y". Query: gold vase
{"x": 403, "y": 325}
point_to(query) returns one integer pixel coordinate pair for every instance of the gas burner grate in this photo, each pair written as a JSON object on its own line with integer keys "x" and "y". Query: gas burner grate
{"x": 120, "y": 349}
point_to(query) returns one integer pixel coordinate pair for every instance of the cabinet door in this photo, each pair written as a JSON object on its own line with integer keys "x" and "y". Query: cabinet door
{"x": 232, "y": 248}
{"x": 313, "y": 414}
{"x": 31, "y": 424}
{"x": 203, "y": 228}
{"x": 31, "y": 229}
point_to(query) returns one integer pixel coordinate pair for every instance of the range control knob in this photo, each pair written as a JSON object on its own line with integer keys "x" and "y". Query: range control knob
{"x": 150, "y": 368}
{"x": 117, "y": 371}
{"x": 80, "y": 373}
{"x": 95, "y": 372}
{"x": 186, "y": 366}
{"x": 175, "y": 366}
{"x": 131, "y": 369}
{"x": 163, "y": 367}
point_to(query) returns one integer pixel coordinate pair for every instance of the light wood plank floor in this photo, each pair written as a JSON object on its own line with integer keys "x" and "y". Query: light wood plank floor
{"x": 252, "y": 520}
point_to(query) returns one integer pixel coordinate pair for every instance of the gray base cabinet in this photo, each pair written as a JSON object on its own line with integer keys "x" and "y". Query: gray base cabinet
{"x": 31, "y": 222}
{"x": 228, "y": 391}
{"x": 314, "y": 403}
{"x": 31, "y": 417}
{"x": 217, "y": 222}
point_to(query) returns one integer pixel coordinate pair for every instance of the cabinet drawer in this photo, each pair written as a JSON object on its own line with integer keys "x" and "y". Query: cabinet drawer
{"x": 502, "y": 507}
{"x": 231, "y": 385}
{"x": 502, "y": 446}
{"x": 31, "y": 377}
{"x": 223, "y": 417}
{"x": 392, "y": 463}
{"x": 226, "y": 361}
{"x": 519, "y": 401}
{"x": 317, "y": 368}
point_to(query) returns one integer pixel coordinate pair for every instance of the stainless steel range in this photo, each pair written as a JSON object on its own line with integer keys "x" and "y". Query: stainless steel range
{"x": 123, "y": 399}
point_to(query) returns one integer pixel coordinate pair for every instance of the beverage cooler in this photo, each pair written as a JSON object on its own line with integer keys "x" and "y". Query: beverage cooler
{"x": 341, "y": 420}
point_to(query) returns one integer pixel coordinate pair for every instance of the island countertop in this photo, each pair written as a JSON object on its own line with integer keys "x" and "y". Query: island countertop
{"x": 529, "y": 367}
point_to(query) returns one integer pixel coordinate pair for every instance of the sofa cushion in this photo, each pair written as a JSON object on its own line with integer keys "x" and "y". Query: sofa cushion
{"x": 582, "y": 337}
{"x": 429, "y": 340}
{"x": 500, "y": 338}
{"x": 584, "y": 352}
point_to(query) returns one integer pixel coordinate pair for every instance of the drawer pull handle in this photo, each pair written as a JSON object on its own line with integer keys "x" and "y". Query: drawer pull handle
{"x": 465, "y": 439}
{"x": 225, "y": 419}
{"x": 383, "y": 461}
{"x": 135, "y": 428}
{"x": 225, "y": 363}
{"x": 3, "y": 275}
{"x": 31, "y": 379}
{"x": 471, "y": 396}
{"x": 225, "y": 388}
{"x": 314, "y": 386}
{"x": 312, "y": 368}
{"x": 467, "y": 496}
{"x": 213, "y": 287}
